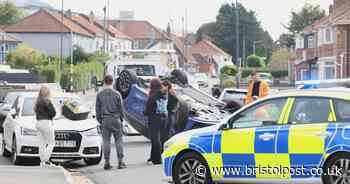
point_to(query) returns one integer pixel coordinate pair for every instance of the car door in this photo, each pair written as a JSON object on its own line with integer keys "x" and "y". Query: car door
{"x": 309, "y": 119}
{"x": 251, "y": 141}
{"x": 10, "y": 123}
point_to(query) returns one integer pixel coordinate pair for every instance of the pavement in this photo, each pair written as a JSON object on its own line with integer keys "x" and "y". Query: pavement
{"x": 34, "y": 175}
{"x": 11, "y": 174}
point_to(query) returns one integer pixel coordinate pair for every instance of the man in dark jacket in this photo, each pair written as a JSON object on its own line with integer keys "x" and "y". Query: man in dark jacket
{"x": 110, "y": 114}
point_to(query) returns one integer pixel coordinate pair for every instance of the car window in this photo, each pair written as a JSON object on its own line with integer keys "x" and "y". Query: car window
{"x": 342, "y": 110}
{"x": 28, "y": 107}
{"x": 266, "y": 113}
{"x": 310, "y": 110}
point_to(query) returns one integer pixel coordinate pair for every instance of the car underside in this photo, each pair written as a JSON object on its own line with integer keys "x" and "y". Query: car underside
{"x": 197, "y": 109}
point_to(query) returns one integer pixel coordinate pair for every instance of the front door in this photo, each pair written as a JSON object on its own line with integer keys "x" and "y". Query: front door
{"x": 251, "y": 143}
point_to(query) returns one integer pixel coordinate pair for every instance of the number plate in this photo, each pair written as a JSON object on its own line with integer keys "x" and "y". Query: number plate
{"x": 66, "y": 144}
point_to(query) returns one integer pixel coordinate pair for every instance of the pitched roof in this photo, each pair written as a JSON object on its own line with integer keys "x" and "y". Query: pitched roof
{"x": 206, "y": 47}
{"x": 117, "y": 33}
{"x": 88, "y": 24}
{"x": 44, "y": 21}
{"x": 8, "y": 37}
{"x": 200, "y": 59}
{"x": 137, "y": 29}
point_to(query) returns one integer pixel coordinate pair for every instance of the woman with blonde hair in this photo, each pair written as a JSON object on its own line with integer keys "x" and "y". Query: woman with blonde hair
{"x": 45, "y": 112}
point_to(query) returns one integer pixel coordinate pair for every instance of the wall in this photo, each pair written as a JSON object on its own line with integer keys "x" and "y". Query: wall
{"x": 49, "y": 43}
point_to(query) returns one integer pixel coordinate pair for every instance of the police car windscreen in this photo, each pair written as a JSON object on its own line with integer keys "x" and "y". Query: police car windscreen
{"x": 139, "y": 70}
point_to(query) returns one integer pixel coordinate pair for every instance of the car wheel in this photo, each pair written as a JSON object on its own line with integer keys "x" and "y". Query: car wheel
{"x": 180, "y": 76}
{"x": 340, "y": 162}
{"x": 191, "y": 168}
{"x": 124, "y": 82}
{"x": 4, "y": 151}
{"x": 16, "y": 160}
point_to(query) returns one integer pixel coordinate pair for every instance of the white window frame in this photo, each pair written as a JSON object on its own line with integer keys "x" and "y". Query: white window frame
{"x": 310, "y": 42}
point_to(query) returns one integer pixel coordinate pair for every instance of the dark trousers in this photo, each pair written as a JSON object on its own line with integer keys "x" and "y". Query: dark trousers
{"x": 170, "y": 127}
{"x": 157, "y": 125}
{"x": 113, "y": 127}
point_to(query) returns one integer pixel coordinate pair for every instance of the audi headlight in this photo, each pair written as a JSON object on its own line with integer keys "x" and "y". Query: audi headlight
{"x": 92, "y": 132}
{"x": 28, "y": 132}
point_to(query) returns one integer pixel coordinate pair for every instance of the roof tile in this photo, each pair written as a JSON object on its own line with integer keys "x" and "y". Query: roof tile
{"x": 44, "y": 21}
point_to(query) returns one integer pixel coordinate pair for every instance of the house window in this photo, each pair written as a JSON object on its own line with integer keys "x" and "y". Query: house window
{"x": 311, "y": 42}
{"x": 328, "y": 35}
{"x": 299, "y": 43}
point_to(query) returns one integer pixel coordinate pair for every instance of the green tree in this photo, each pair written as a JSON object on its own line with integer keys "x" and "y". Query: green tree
{"x": 305, "y": 17}
{"x": 79, "y": 56}
{"x": 25, "y": 57}
{"x": 280, "y": 58}
{"x": 255, "y": 61}
{"x": 9, "y": 13}
{"x": 223, "y": 31}
{"x": 227, "y": 74}
{"x": 285, "y": 41}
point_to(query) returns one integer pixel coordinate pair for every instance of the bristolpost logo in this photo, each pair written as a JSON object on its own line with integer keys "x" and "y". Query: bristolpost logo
{"x": 278, "y": 171}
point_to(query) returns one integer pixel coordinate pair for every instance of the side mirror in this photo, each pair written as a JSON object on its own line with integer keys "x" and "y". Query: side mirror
{"x": 227, "y": 126}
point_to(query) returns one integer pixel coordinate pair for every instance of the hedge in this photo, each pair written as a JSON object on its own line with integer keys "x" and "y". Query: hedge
{"x": 275, "y": 73}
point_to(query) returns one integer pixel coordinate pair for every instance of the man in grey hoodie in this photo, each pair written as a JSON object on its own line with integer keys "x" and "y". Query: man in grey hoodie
{"x": 110, "y": 114}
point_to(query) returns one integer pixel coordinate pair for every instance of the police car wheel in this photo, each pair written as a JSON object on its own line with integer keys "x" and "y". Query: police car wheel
{"x": 337, "y": 169}
{"x": 191, "y": 169}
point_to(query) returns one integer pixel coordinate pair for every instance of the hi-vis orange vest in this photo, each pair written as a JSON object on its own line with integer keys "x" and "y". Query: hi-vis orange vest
{"x": 263, "y": 91}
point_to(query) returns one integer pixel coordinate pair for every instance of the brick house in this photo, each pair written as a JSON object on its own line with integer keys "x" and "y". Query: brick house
{"x": 208, "y": 57}
{"x": 144, "y": 34}
{"x": 44, "y": 29}
{"x": 322, "y": 49}
{"x": 116, "y": 40}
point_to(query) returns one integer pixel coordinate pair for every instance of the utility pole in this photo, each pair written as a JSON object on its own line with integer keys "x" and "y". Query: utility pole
{"x": 61, "y": 42}
{"x": 237, "y": 46}
{"x": 107, "y": 25}
{"x": 244, "y": 51}
{"x": 3, "y": 47}
{"x": 104, "y": 29}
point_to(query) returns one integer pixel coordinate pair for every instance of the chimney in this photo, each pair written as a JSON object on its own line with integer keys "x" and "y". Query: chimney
{"x": 331, "y": 9}
{"x": 69, "y": 13}
{"x": 91, "y": 17}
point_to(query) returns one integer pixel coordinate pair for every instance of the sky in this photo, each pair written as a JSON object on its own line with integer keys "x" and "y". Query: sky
{"x": 271, "y": 13}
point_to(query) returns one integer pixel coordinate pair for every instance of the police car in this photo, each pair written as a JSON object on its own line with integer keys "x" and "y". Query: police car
{"x": 290, "y": 137}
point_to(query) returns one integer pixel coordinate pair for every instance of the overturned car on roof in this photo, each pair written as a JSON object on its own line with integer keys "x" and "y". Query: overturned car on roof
{"x": 197, "y": 109}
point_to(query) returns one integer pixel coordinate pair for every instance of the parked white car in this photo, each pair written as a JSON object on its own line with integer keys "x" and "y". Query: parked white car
{"x": 233, "y": 94}
{"x": 74, "y": 139}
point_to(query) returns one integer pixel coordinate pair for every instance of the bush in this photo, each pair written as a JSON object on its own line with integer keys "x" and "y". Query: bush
{"x": 25, "y": 57}
{"x": 228, "y": 84}
{"x": 275, "y": 73}
{"x": 227, "y": 74}
{"x": 255, "y": 61}
{"x": 279, "y": 73}
{"x": 229, "y": 70}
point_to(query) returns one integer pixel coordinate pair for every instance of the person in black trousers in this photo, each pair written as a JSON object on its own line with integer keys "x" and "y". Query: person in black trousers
{"x": 157, "y": 113}
{"x": 173, "y": 106}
